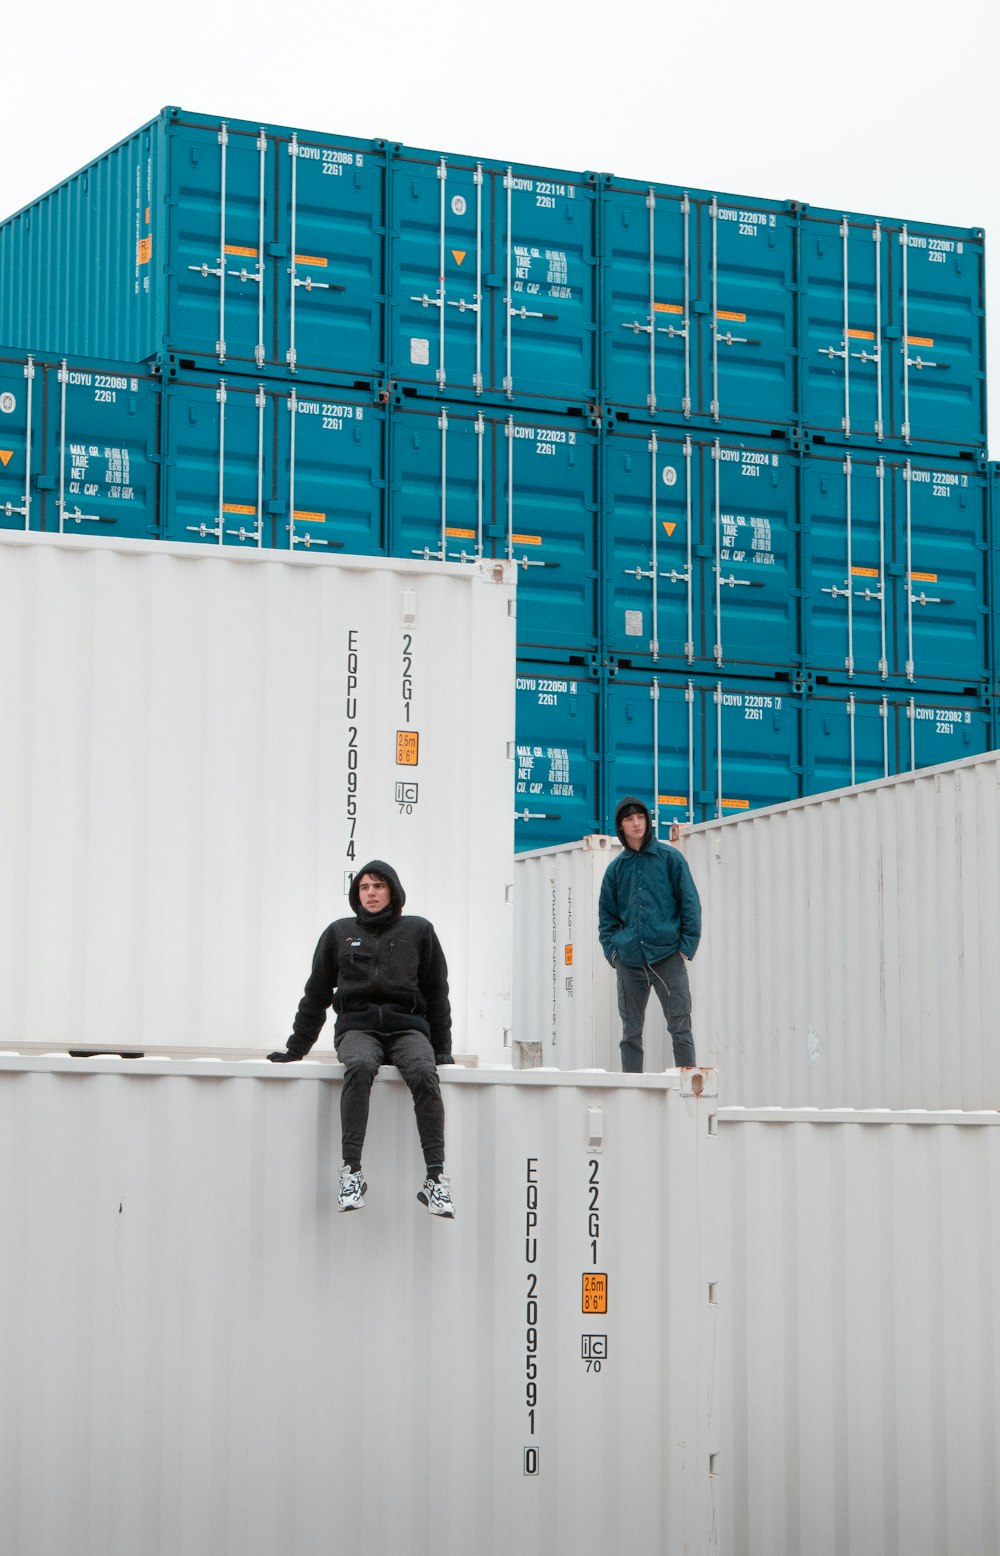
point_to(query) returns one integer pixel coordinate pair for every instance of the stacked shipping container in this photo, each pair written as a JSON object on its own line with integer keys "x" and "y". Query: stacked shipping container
{"x": 736, "y": 447}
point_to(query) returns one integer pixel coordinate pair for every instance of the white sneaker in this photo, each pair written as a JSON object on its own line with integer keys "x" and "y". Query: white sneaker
{"x": 436, "y": 1195}
{"x": 352, "y": 1190}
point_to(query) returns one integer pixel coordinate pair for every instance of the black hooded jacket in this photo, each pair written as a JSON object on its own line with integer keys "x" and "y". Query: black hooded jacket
{"x": 382, "y": 973}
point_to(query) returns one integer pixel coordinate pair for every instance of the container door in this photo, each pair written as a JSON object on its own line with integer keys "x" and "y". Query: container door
{"x": 654, "y": 748}
{"x": 217, "y": 469}
{"x": 753, "y": 746}
{"x": 938, "y": 374}
{"x": 102, "y": 437}
{"x": 941, "y": 527}
{"x": 544, "y": 313}
{"x": 748, "y": 589}
{"x": 438, "y": 483}
{"x": 843, "y": 319}
{"x": 221, "y": 231}
{"x": 748, "y": 344}
{"x": 328, "y": 274}
{"x": 21, "y": 394}
{"x": 437, "y": 319}
{"x": 557, "y": 772}
{"x": 646, "y": 282}
{"x": 930, "y": 730}
{"x": 850, "y": 739}
{"x": 845, "y": 525}
{"x": 330, "y": 473}
{"x": 648, "y": 569}
{"x": 545, "y": 520}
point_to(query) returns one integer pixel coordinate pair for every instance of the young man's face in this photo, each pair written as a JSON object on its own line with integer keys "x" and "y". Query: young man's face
{"x": 634, "y": 829}
{"x": 373, "y": 894}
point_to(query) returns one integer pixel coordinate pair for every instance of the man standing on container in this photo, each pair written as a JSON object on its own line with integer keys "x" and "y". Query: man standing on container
{"x": 649, "y": 921}
{"x": 385, "y": 975}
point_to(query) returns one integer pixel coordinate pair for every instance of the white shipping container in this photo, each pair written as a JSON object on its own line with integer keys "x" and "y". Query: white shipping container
{"x": 200, "y": 1354}
{"x": 200, "y": 747}
{"x": 848, "y": 953}
{"x": 565, "y": 992}
{"x": 859, "y": 1333}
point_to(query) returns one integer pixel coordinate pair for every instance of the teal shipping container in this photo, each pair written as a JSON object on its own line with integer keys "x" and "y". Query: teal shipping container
{"x": 893, "y": 331}
{"x": 227, "y": 244}
{"x": 79, "y": 447}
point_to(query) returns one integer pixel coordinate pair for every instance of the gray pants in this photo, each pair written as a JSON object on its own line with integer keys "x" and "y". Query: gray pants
{"x": 670, "y": 980}
{"x": 362, "y": 1053}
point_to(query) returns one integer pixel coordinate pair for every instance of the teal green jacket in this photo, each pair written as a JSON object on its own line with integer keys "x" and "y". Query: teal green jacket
{"x": 649, "y": 906}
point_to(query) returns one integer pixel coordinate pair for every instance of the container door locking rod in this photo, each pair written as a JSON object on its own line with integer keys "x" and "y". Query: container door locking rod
{"x": 291, "y": 355}
{"x": 293, "y": 539}
{"x": 220, "y": 269}
{"x": 256, "y": 276}
{"x": 216, "y": 529}
{"x": 9, "y": 508}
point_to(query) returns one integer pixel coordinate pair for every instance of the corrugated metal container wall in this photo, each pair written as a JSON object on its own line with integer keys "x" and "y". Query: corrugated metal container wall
{"x": 701, "y": 564}
{"x": 893, "y": 331}
{"x": 698, "y": 306}
{"x": 493, "y": 288}
{"x": 250, "y": 464}
{"x": 520, "y": 486}
{"x": 849, "y": 950}
{"x": 859, "y": 1333}
{"x": 896, "y": 568}
{"x": 557, "y": 780}
{"x": 80, "y": 447}
{"x": 257, "y": 247}
{"x": 202, "y": 746}
{"x": 263, "y": 1374}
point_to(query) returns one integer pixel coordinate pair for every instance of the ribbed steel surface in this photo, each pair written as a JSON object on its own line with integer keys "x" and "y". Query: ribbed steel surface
{"x": 847, "y": 954}
{"x": 859, "y": 1333}
{"x": 849, "y": 948}
{"x": 201, "y": 1355}
{"x": 200, "y": 747}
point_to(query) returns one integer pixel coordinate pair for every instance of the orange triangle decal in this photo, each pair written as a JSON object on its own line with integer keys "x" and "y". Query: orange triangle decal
{"x": 669, "y": 527}
{"x": 6, "y": 455}
{"x": 459, "y": 255}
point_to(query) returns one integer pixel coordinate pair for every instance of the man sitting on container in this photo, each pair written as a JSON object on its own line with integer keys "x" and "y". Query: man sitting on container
{"x": 649, "y": 921}
{"x": 385, "y": 974}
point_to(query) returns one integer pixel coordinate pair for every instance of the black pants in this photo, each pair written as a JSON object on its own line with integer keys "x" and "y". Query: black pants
{"x": 670, "y": 980}
{"x": 362, "y": 1053}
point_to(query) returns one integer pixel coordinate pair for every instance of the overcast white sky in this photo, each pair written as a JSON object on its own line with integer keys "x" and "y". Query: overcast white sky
{"x": 866, "y": 106}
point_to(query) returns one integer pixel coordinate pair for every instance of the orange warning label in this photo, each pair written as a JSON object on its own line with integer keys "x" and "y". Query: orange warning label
{"x": 734, "y": 318}
{"x": 865, "y": 572}
{"x": 861, "y": 334}
{"x": 147, "y": 216}
{"x": 923, "y": 577}
{"x": 667, "y": 308}
{"x": 919, "y": 340}
{"x": 407, "y": 748}
{"x": 302, "y": 517}
{"x": 736, "y": 805}
{"x": 144, "y": 250}
{"x": 568, "y": 954}
{"x": 459, "y": 255}
{"x": 242, "y": 250}
{"x": 6, "y": 455}
{"x": 311, "y": 259}
{"x": 669, "y": 527}
{"x": 238, "y": 507}
{"x": 526, "y": 540}
{"x": 595, "y": 1292}
{"x": 671, "y": 799}
{"x": 462, "y": 534}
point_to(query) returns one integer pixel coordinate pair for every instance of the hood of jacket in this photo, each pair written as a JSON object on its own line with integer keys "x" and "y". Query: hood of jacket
{"x": 628, "y": 803}
{"x": 397, "y": 897}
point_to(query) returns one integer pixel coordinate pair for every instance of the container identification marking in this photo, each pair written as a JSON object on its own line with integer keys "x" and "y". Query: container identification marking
{"x": 352, "y": 741}
{"x": 407, "y": 748}
{"x": 531, "y": 1308}
{"x": 595, "y": 1292}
